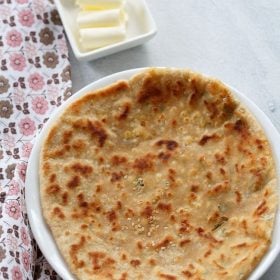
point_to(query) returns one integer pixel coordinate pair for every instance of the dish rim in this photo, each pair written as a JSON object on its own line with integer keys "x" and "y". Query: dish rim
{"x": 110, "y": 49}
{"x": 42, "y": 233}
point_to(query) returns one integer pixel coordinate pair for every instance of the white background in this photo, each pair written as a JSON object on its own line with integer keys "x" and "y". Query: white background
{"x": 237, "y": 41}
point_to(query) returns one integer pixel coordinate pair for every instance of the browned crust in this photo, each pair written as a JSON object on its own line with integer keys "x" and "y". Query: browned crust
{"x": 170, "y": 151}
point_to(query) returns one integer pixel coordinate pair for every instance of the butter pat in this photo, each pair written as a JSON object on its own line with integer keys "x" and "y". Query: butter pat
{"x": 92, "y": 38}
{"x": 101, "y": 23}
{"x": 101, "y": 18}
{"x": 99, "y": 4}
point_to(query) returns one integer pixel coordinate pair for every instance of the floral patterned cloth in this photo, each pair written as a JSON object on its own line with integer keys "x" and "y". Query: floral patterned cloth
{"x": 34, "y": 80}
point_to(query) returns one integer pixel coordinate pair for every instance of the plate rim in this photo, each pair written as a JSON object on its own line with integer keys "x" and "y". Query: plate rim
{"x": 32, "y": 189}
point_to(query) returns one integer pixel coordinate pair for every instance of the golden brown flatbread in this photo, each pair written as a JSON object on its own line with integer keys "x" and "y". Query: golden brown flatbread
{"x": 165, "y": 176}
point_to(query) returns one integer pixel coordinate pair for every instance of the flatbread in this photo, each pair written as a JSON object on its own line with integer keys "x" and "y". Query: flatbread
{"x": 164, "y": 176}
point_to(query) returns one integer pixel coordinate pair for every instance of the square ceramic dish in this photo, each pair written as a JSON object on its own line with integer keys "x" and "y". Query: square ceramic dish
{"x": 140, "y": 26}
{"x": 41, "y": 230}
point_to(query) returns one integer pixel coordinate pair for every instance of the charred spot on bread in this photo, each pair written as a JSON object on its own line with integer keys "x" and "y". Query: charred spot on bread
{"x": 143, "y": 164}
{"x": 124, "y": 111}
{"x": 74, "y": 182}
{"x": 82, "y": 169}
{"x": 206, "y": 138}
{"x": 169, "y": 144}
{"x": 53, "y": 189}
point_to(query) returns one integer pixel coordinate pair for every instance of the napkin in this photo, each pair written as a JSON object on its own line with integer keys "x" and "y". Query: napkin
{"x": 35, "y": 78}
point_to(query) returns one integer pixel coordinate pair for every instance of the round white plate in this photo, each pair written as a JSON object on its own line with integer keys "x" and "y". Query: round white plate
{"x": 40, "y": 229}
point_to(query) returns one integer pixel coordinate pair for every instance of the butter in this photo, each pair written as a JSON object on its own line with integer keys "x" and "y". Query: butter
{"x": 99, "y": 4}
{"x": 101, "y": 18}
{"x": 92, "y": 38}
{"x": 101, "y": 23}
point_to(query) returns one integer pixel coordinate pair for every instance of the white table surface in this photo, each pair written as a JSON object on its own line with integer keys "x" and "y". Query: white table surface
{"x": 237, "y": 41}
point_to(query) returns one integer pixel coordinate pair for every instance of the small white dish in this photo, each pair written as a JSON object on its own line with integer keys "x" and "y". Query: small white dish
{"x": 140, "y": 26}
{"x": 41, "y": 230}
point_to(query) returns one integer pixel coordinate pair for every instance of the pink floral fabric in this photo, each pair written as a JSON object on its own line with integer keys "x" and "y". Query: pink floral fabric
{"x": 34, "y": 80}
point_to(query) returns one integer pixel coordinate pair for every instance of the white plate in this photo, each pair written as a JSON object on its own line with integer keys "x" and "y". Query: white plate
{"x": 141, "y": 27}
{"x": 41, "y": 231}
